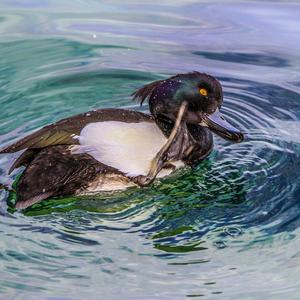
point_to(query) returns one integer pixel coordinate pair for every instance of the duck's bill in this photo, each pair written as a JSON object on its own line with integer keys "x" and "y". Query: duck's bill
{"x": 217, "y": 123}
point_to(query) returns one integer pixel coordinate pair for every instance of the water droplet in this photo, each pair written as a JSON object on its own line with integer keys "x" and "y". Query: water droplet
{"x": 220, "y": 244}
{"x": 233, "y": 231}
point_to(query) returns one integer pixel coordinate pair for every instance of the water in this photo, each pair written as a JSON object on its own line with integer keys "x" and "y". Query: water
{"x": 227, "y": 230}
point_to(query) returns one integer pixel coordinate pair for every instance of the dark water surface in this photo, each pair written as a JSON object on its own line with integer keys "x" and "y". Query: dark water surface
{"x": 227, "y": 230}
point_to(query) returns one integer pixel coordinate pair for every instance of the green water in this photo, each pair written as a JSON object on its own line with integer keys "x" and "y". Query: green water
{"x": 226, "y": 230}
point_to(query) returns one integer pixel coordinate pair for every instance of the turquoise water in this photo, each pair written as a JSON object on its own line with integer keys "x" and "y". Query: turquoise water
{"x": 227, "y": 230}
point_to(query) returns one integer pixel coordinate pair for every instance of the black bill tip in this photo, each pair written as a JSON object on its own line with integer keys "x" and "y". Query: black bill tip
{"x": 218, "y": 124}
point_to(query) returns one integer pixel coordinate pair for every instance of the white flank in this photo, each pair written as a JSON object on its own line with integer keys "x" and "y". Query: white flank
{"x": 106, "y": 183}
{"x": 128, "y": 147}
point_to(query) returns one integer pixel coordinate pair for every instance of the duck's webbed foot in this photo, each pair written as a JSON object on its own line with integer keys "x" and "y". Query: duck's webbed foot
{"x": 172, "y": 150}
{"x": 169, "y": 166}
{"x": 143, "y": 180}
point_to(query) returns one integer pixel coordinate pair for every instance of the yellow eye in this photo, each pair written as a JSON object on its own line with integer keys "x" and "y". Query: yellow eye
{"x": 203, "y": 92}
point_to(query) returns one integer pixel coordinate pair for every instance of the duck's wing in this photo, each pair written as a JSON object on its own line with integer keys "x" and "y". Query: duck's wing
{"x": 24, "y": 159}
{"x": 56, "y": 171}
{"x": 66, "y": 131}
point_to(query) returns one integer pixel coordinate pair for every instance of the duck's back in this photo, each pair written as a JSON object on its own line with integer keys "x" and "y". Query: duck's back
{"x": 66, "y": 131}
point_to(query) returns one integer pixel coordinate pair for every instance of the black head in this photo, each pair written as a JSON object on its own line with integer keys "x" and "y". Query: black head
{"x": 203, "y": 95}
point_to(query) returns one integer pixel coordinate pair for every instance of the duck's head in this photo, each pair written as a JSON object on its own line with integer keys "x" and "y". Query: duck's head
{"x": 203, "y": 95}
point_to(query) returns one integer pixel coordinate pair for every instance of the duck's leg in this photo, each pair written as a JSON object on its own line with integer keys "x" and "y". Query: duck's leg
{"x": 161, "y": 158}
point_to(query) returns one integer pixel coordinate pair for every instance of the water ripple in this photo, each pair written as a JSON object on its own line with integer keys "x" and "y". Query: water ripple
{"x": 222, "y": 228}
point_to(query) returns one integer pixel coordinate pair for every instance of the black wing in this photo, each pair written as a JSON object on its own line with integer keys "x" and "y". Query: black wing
{"x": 64, "y": 132}
{"x": 56, "y": 171}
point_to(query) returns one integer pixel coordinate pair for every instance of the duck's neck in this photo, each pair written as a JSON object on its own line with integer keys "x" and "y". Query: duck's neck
{"x": 165, "y": 125}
